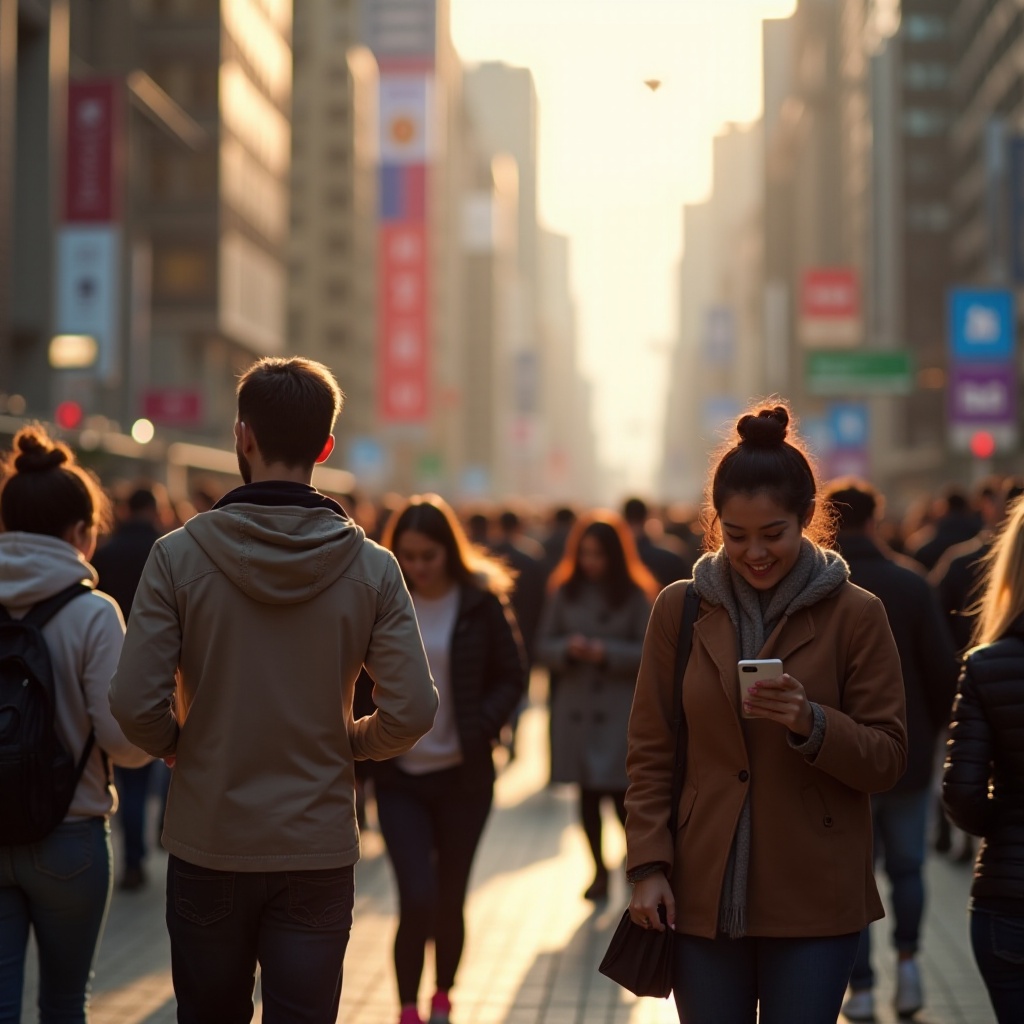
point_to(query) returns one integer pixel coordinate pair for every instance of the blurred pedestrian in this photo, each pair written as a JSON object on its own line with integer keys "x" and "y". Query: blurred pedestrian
{"x": 899, "y": 816}
{"x": 59, "y": 886}
{"x": 263, "y": 611}
{"x": 983, "y": 782}
{"x": 433, "y": 802}
{"x": 956, "y": 521}
{"x": 592, "y": 634}
{"x": 119, "y": 563}
{"x": 768, "y": 880}
{"x": 665, "y": 564}
{"x": 562, "y": 520}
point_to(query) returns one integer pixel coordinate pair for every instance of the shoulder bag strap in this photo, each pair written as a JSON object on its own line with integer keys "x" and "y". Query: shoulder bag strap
{"x": 691, "y": 606}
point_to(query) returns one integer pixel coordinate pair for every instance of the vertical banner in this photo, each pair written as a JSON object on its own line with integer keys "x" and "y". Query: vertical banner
{"x": 403, "y": 37}
{"x": 88, "y": 288}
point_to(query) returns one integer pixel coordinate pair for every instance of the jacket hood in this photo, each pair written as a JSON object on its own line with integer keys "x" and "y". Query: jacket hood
{"x": 277, "y": 555}
{"x": 34, "y": 567}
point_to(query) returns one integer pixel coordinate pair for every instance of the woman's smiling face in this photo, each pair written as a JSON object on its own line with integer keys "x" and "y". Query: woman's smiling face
{"x": 761, "y": 539}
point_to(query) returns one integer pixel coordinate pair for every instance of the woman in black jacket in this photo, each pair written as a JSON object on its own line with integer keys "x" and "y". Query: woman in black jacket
{"x": 983, "y": 784}
{"x": 433, "y": 802}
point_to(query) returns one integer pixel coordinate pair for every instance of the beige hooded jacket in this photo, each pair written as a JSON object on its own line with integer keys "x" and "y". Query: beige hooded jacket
{"x": 266, "y": 616}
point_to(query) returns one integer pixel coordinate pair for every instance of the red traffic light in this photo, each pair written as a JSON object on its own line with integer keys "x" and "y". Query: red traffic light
{"x": 68, "y": 415}
{"x": 983, "y": 445}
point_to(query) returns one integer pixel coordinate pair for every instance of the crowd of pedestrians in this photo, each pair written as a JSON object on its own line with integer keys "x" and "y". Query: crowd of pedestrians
{"x": 292, "y": 656}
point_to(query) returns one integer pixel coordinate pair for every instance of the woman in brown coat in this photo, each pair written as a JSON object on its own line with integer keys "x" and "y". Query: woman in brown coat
{"x": 768, "y": 879}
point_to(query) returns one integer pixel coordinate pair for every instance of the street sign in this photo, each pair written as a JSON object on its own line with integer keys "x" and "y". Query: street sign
{"x": 849, "y": 425}
{"x": 860, "y": 372}
{"x": 983, "y": 394}
{"x": 830, "y": 312}
{"x": 981, "y": 324}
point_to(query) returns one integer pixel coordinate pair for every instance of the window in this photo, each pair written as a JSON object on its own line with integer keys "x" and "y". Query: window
{"x": 922, "y": 122}
{"x": 923, "y": 76}
{"x": 924, "y": 28}
{"x": 931, "y": 217}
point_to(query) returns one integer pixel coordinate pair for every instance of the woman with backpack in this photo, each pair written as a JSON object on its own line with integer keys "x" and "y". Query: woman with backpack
{"x": 55, "y": 854}
{"x": 983, "y": 783}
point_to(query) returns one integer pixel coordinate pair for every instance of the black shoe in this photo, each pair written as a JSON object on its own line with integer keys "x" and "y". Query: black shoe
{"x": 598, "y": 888}
{"x": 132, "y": 879}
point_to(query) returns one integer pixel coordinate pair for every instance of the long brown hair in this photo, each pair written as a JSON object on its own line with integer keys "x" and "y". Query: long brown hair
{"x": 432, "y": 516}
{"x": 626, "y": 572}
{"x": 1002, "y": 600}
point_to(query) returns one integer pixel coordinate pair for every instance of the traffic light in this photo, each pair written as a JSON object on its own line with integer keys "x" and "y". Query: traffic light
{"x": 68, "y": 415}
{"x": 983, "y": 444}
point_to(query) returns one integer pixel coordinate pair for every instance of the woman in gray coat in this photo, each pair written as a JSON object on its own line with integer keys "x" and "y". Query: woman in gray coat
{"x": 591, "y": 635}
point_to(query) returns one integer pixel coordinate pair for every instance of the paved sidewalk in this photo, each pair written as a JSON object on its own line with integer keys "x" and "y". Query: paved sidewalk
{"x": 533, "y": 943}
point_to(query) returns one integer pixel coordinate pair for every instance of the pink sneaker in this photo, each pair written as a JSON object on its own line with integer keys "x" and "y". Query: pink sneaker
{"x": 440, "y": 1009}
{"x": 410, "y": 1015}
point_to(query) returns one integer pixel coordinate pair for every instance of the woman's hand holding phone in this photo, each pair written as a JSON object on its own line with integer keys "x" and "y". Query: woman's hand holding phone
{"x": 781, "y": 700}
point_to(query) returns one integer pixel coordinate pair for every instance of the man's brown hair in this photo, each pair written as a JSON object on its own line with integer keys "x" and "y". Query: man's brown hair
{"x": 290, "y": 405}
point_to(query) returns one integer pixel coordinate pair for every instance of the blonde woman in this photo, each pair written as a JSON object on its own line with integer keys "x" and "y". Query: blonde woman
{"x": 983, "y": 785}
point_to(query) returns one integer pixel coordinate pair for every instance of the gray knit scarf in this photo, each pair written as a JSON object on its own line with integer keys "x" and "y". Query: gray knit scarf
{"x": 755, "y": 614}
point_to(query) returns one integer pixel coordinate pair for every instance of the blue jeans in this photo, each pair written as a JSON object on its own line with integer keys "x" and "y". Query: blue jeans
{"x": 295, "y": 924}
{"x": 900, "y": 821}
{"x": 998, "y": 944}
{"x": 793, "y": 981}
{"x": 60, "y": 887}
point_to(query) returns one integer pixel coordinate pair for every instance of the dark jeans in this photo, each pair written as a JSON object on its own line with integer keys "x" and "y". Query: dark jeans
{"x": 900, "y": 824}
{"x": 590, "y": 818}
{"x": 133, "y": 788}
{"x": 998, "y": 944}
{"x": 60, "y": 887}
{"x": 295, "y": 924}
{"x": 432, "y": 826}
{"x": 795, "y": 981}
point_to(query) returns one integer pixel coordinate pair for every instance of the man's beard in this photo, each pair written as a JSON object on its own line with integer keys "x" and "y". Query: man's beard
{"x": 243, "y": 465}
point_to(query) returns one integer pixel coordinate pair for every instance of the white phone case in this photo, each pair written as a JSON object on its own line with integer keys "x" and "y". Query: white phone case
{"x": 753, "y": 670}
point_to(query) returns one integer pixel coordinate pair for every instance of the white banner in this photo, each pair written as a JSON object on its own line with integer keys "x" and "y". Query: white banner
{"x": 89, "y": 290}
{"x": 405, "y": 130}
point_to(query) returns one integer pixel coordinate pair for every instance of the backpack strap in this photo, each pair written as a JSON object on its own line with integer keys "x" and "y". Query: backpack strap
{"x": 691, "y": 606}
{"x": 40, "y": 614}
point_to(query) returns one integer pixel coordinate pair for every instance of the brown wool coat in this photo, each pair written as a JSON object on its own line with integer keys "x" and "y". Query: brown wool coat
{"x": 811, "y": 846}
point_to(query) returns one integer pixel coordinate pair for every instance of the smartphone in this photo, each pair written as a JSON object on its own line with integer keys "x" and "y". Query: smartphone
{"x": 753, "y": 670}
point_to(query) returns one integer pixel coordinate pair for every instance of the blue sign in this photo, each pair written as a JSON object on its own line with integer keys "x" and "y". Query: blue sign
{"x": 982, "y": 326}
{"x": 849, "y": 425}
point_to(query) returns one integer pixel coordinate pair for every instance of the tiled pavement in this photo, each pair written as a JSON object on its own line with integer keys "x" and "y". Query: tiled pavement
{"x": 533, "y": 942}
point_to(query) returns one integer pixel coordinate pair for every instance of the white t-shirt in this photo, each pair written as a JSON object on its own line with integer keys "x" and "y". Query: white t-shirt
{"x": 439, "y": 748}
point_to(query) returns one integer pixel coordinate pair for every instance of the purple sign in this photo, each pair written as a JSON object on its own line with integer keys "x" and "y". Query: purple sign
{"x": 983, "y": 394}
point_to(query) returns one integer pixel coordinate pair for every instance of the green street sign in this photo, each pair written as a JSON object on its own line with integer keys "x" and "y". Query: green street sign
{"x": 859, "y": 372}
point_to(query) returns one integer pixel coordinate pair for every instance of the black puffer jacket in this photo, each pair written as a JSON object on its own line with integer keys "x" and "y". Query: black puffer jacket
{"x": 986, "y": 750}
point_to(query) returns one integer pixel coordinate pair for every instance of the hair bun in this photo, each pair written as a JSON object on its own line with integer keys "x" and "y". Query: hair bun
{"x": 767, "y": 429}
{"x": 37, "y": 453}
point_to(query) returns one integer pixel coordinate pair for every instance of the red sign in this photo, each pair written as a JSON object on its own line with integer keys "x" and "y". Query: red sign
{"x": 174, "y": 407}
{"x": 830, "y": 294}
{"x": 403, "y": 350}
{"x": 92, "y": 186}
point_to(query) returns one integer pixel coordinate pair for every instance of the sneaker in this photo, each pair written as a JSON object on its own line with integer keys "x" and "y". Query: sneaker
{"x": 598, "y": 890}
{"x": 909, "y": 995}
{"x": 860, "y": 1005}
{"x": 410, "y": 1015}
{"x": 134, "y": 878}
{"x": 440, "y": 1009}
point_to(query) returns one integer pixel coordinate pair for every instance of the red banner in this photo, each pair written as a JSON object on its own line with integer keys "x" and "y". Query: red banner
{"x": 179, "y": 407}
{"x": 92, "y": 185}
{"x": 403, "y": 361}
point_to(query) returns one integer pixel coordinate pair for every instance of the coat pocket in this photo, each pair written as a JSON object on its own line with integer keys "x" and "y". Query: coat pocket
{"x": 686, "y": 801}
{"x": 817, "y": 812}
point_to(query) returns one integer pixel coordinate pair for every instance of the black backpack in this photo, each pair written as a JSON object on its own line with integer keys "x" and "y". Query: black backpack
{"x": 38, "y": 776}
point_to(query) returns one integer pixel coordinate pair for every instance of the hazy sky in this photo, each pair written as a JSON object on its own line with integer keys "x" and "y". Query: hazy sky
{"x": 617, "y": 163}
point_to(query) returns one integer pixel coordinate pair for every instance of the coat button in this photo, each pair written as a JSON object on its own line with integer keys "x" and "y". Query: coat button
{"x": 827, "y": 821}
{"x": 744, "y": 775}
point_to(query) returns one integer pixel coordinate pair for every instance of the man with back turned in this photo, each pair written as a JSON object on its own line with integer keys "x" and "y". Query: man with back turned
{"x": 249, "y": 628}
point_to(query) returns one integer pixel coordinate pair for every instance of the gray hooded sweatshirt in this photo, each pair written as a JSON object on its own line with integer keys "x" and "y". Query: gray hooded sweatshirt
{"x": 249, "y": 628}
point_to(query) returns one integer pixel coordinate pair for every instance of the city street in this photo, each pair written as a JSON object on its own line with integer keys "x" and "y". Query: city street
{"x": 533, "y": 942}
